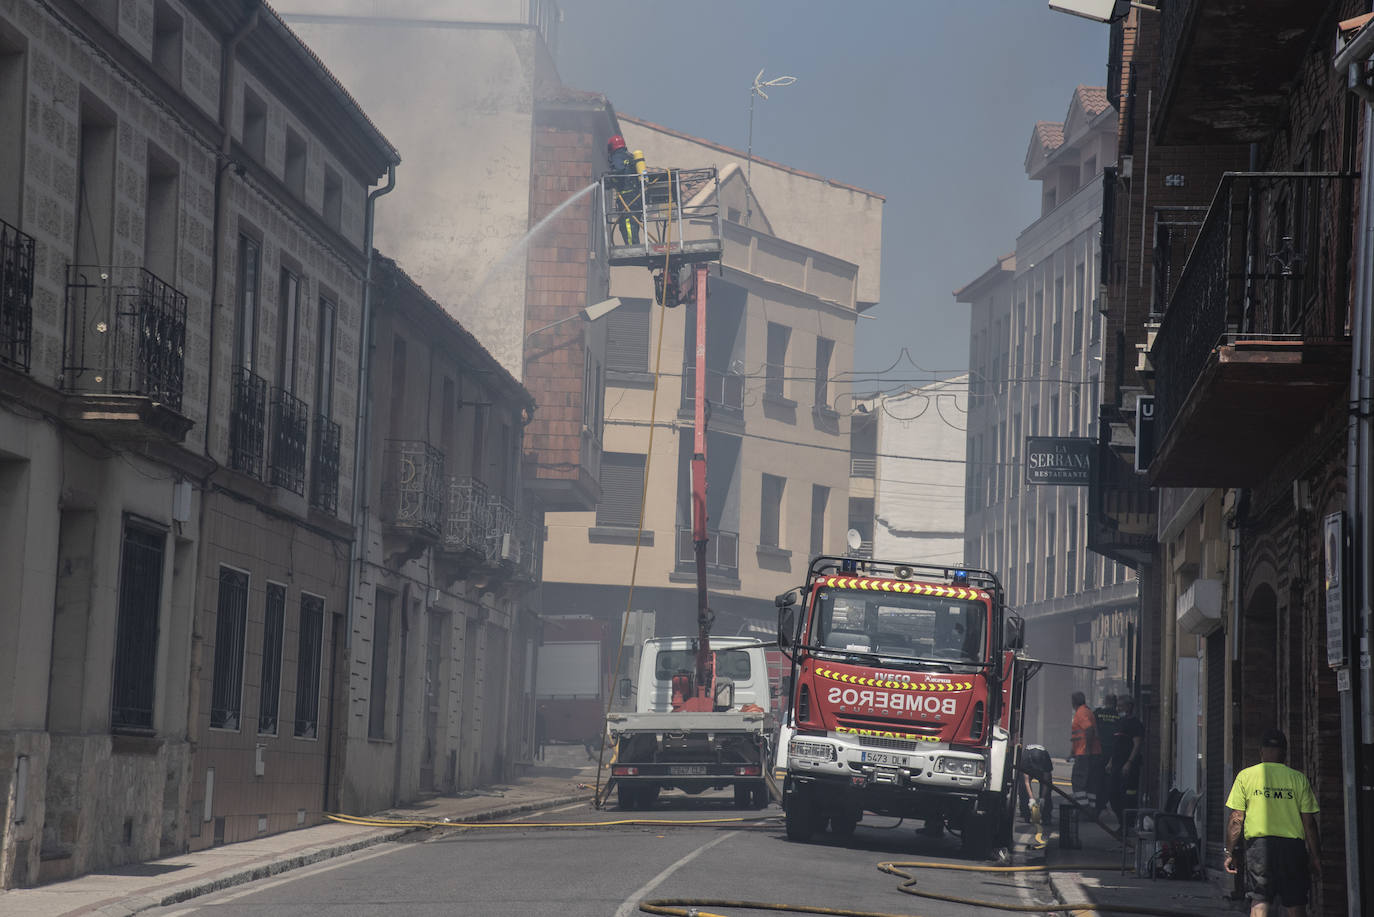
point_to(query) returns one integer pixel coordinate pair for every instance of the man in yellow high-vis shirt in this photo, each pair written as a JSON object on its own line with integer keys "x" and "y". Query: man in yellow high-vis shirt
{"x": 1274, "y": 806}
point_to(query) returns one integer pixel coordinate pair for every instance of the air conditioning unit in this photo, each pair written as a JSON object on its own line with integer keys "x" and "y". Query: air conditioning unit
{"x": 510, "y": 548}
{"x": 1199, "y": 607}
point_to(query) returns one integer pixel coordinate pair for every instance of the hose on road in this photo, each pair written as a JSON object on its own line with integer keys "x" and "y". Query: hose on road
{"x": 366, "y": 822}
{"x": 692, "y": 907}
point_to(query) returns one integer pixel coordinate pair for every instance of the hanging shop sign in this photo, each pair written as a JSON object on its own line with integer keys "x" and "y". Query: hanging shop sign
{"x": 1059, "y": 459}
{"x": 1333, "y": 550}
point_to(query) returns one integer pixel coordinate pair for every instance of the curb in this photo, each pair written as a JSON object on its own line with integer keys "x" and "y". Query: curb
{"x": 177, "y": 894}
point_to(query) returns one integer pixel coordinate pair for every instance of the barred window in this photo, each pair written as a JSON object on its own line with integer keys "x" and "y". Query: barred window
{"x": 308, "y": 666}
{"x": 274, "y": 626}
{"x": 140, "y": 595}
{"x": 231, "y": 619}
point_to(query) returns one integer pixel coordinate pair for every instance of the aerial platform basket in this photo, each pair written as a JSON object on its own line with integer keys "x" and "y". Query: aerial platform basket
{"x": 658, "y": 213}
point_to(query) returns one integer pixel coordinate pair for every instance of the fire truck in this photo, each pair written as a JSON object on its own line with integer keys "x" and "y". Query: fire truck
{"x": 907, "y": 700}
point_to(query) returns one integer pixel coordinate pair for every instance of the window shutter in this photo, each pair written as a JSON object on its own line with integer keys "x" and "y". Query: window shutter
{"x": 622, "y": 485}
{"x": 627, "y": 337}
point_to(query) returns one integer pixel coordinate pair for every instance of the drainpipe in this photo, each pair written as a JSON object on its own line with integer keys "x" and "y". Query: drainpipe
{"x": 1357, "y": 700}
{"x": 223, "y": 161}
{"x": 361, "y": 470}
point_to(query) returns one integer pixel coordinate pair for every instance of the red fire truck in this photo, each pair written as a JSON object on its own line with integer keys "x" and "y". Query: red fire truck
{"x": 907, "y": 699}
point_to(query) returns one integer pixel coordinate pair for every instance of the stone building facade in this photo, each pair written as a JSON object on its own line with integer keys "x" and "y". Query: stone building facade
{"x": 184, "y": 256}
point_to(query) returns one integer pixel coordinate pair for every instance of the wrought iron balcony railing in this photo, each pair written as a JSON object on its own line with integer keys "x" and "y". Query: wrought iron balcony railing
{"x": 125, "y": 334}
{"x": 502, "y": 545}
{"x": 468, "y": 518}
{"x": 16, "y": 297}
{"x": 724, "y": 391}
{"x": 1266, "y": 265}
{"x": 413, "y": 490}
{"x": 247, "y": 421}
{"x": 529, "y": 529}
{"x": 722, "y": 551}
{"x": 290, "y": 429}
{"x": 324, "y": 466}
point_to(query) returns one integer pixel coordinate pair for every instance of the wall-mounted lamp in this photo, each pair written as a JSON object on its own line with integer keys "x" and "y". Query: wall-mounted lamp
{"x": 589, "y": 314}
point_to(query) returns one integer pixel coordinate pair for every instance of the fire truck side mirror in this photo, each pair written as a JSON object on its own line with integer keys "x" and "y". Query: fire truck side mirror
{"x": 787, "y": 626}
{"x": 787, "y": 598}
{"x": 1014, "y": 632}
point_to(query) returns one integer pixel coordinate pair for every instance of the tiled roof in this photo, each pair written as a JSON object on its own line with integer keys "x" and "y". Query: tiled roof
{"x": 1050, "y": 134}
{"x": 1092, "y": 98}
{"x": 742, "y": 155}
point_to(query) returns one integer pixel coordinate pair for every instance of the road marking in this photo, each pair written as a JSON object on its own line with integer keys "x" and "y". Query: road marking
{"x": 632, "y": 903}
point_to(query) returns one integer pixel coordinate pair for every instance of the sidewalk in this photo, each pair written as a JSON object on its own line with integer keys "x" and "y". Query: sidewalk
{"x": 565, "y": 777}
{"x": 1093, "y": 876}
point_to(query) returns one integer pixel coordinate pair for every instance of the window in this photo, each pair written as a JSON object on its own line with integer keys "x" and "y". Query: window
{"x": 332, "y": 205}
{"x": 774, "y": 383}
{"x": 820, "y": 497}
{"x": 273, "y": 629}
{"x": 295, "y": 163}
{"x": 160, "y": 216}
{"x": 627, "y": 337}
{"x": 1051, "y": 533}
{"x": 288, "y": 311}
{"x": 1079, "y": 306}
{"x": 1071, "y": 552}
{"x": 95, "y": 190}
{"x": 622, "y": 488}
{"x": 167, "y": 42}
{"x": 381, "y": 656}
{"x": 246, "y": 333}
{"x": 1057, "y": 332}
{"x": 140, "y": 597}
{"x": 825, "y": 348}
{"x": 1054, "y": 415}
{"x": 308, "y": 666}
{"x": 13, "y": 70}
{"x": 593, "y": 389}
{"x": 231, "y": 619}
{"x": 254, "y": 125}
{"x": 770, "y": 510}
{"x": 324, "y": 359}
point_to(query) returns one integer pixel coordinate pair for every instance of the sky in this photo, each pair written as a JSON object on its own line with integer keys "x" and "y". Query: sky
{"x": 928, "y": 102}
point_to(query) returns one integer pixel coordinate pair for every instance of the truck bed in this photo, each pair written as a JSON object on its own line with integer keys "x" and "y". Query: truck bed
{"x": 677, "y": 723}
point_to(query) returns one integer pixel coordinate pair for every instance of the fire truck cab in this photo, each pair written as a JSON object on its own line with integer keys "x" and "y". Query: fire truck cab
{"x": 906, "y": 699}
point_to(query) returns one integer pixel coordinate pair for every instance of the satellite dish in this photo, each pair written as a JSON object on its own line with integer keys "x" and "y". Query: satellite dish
{"x": 855, "y": 539}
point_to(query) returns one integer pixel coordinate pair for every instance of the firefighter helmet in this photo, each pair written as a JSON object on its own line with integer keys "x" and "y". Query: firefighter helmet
{"x": 616, "y": 142}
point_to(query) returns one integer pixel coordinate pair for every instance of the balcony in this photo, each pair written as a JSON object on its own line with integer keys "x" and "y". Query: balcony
{"x": 1225, "y": 67}
{"x": 247, "y": 422}
{"x": 722, "y": 553}
{"x": 324, "y": 466}
{"x": 413, "y": 488}
{"x": 16, "y": 298}
{"x": 863, "y": 466}
{"x": 1253, "y": 346}
{"x": 290, "y": 427}
{"x": 124, "y": 352}
{"x": 724, "y": 392}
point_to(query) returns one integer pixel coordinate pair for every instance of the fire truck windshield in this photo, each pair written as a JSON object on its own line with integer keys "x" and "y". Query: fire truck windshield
{"x": 894, "y": 625}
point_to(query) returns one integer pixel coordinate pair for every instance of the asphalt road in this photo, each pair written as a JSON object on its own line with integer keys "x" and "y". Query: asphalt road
{"x": 607, "y": 871}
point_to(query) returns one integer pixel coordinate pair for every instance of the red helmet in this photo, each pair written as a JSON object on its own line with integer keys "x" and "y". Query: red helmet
{"x": 616, "y": 142}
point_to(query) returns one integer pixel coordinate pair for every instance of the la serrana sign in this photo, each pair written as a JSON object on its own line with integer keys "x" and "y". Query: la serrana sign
{"x": 1059, "y": 459}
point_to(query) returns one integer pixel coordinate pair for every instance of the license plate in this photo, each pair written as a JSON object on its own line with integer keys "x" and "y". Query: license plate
{"x": 883, "y": 759}
{"x": 687, "y": 770}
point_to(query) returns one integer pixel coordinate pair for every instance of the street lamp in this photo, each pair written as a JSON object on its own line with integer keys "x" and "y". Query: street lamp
{"x": 589, "y": 314}
{"x": 1099, "y": 10}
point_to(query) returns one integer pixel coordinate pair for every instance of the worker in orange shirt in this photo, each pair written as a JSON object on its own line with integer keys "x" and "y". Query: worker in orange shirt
{"x": 1086, "y": 749}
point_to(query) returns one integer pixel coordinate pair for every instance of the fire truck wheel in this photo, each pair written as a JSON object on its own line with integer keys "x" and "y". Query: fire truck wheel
{"x": 627, "y": 796}
{"x": 744, "y": 795}
{"x": 760, "y": 797}
{"x": 842, "y": 826}
{"x": 802, "y": 819}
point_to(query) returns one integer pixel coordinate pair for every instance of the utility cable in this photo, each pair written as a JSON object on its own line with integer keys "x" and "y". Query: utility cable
{"x": 599, "y": 800}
